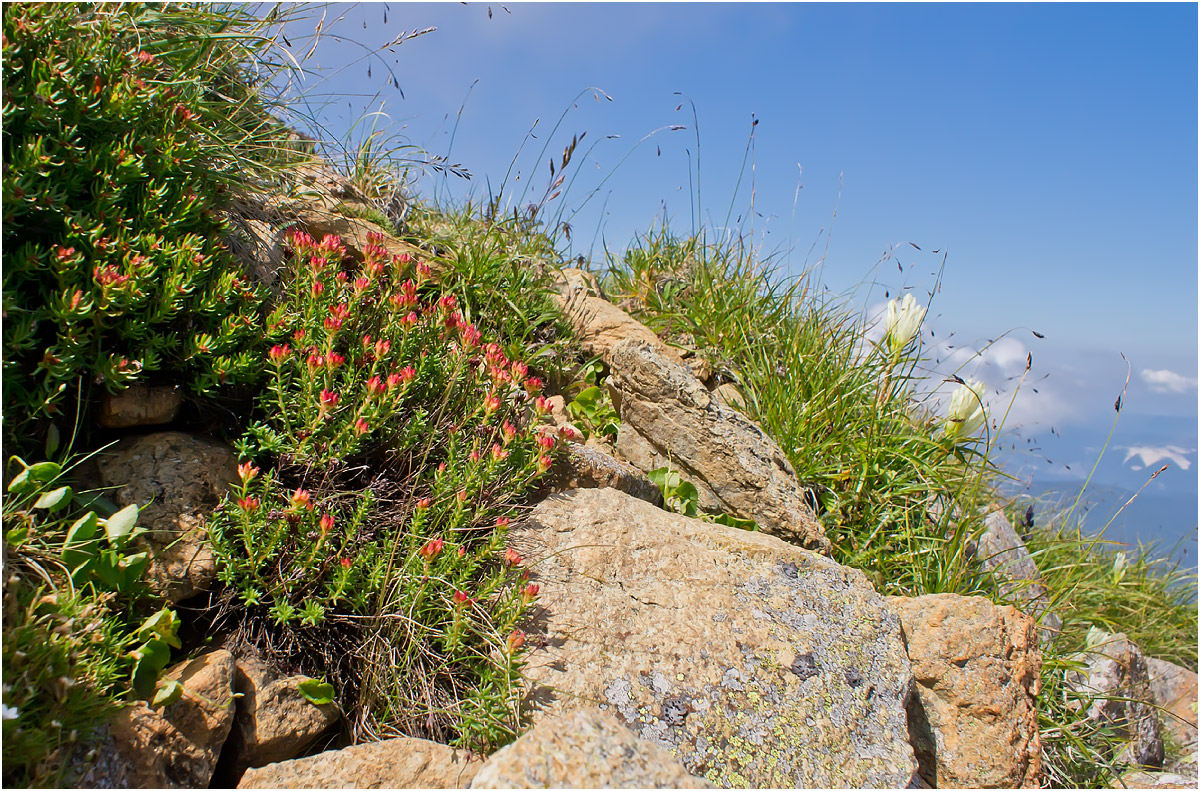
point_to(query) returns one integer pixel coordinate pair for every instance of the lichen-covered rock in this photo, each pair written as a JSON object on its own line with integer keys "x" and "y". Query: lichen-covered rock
{"x": 727, "y": 394}
{"x": 177, "y": 480}
{"x": 1114, "y": 684}
{"x": 1002, "y": 552}
{"x": 668, "y": 418}
{"x": 394, "y": 763}
{"x": 600, "y": 325}
{"x": 584, "y": 467}
{"x": 175, "y": 747}
{"x": 973, "y": 714}
{"x": 140, "y": 405}
{"x": 583, "y": 749}
{"x": 756, "y": 663}
{"x": 274, "y": 721}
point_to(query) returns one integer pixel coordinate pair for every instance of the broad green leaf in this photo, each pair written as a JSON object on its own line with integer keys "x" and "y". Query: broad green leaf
{"x": 52, "y": 440}
{"x": 316, "y": 691}
{"x": 161, "y": 626}
{"x": 82, "y": 531}
{"x": 54, "y": 499}
{"x": 29, "y": 478}
{"x": 121, "y": 523}
{"x": 151, "y": 657}
{"x": 168, "y": 692}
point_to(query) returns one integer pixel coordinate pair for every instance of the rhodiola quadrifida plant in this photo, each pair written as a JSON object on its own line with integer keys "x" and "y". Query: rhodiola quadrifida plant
{"x": 394, "y": 441}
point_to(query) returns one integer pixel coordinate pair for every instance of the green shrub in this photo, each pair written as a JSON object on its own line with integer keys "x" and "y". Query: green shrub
{"x": 76, "y": 639}
{"x": 400, "y": 441}
{"x": 126, "y": 129}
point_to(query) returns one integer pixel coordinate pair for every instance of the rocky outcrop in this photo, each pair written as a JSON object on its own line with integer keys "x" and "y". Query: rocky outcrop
{"x": 668, "y": 418}
{"x": 175, "y": 747}
{"x": 177, "y": 479}
{"x": 584, "y": 467}
{"x": 583, "y": 749}
{"x": 140, "y": 405}
{"x": 600, "y": 325}
{"x": 1002, "y": 552}
{"x": 394, "y": 763}
{"x": 274, "y": 721}
{"x": 754, "y": 662}
{"x": 1114, "y": 685}
{"x": 973, "y": 714}
{"x": 1143, "y": 779}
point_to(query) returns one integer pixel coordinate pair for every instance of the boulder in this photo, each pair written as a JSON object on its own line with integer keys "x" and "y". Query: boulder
{"x": 973, "y": 713}
{"x": 668, "y": 418}
{"x": 1114, "y": 686}
{"x": 1174, "y": 691}
{"x": 140, "y": 405}
{"x": 586, "y": 467}
{"x": 1002, "y": 552}
{"x": 394, "y": 763}
{"x": 583, "y": 749}
{"x": 175, "y": 747}
{"x": 274, "y": 721}
{"x": 755, "y": 662}
{"x": 600, "y": 325}
{"x": 177, "y": 479}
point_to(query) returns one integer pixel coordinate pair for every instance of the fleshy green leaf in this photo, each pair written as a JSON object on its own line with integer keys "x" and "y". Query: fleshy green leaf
{"x": 168, "y": 692}
{"x": 316, "y": 691}
{"x": 54, "y": 499}
{"x": 121, "y": 523}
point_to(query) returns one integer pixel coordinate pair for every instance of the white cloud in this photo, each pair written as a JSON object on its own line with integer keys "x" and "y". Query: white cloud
{"x": 1167, "y": 381}
{"x": 1151, "y": 455}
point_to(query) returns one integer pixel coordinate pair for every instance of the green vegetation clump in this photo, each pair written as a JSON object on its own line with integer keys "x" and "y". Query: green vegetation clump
{"x": 373, "y": 551}
{"x": 127, "y": 129}
{"x": 77, "y": 642}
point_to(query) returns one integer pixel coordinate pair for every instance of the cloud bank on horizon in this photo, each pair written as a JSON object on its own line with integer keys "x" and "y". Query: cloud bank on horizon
{"x": 1167, "y": 381}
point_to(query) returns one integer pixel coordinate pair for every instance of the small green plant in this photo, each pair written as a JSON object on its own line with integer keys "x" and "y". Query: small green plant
{"x": 682, "y": 497}
{"x": 593, "y": 409}
{"x": 399, "y": 440}
{"x": 75, "y": 646}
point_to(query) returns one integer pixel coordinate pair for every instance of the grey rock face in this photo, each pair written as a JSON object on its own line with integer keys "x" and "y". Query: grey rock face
{"x": 1001, "y": 551}
{"x": 1115, "y": 687}
{"x": 668, "y": 418}
{"x": 754, "y": 662}
{"x": 583, "y": 749}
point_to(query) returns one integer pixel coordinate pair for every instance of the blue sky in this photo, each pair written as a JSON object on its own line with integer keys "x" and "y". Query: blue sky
{"x": 1049, "y": 150}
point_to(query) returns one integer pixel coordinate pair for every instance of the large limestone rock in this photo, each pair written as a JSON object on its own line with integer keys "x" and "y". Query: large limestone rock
{"x": 175, "y": 747}
{"x": 583, "y": 749}
{"x": 394, "y": 763}
{"x": 1002, "y": 552}
{"x": 973, "y": 714}
{"x": 274, "y": 721}
{"x": 1114, "y": 684}
{"x": 140, "y": 405}
{"x": 600, "y": 325}
{"x": 177, "y": 479}
{"x": 1142, "y": 779}
{"x": 668, "y": 418}
{"x": 755, "y": 662}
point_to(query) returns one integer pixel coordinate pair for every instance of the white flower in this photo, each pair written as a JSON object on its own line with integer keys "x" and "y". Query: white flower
{"x": 10, "y": 712}
{"x": 902, "y": 322}
{"x": 966, "y": 410}
{"x": 1120, "y": 563}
